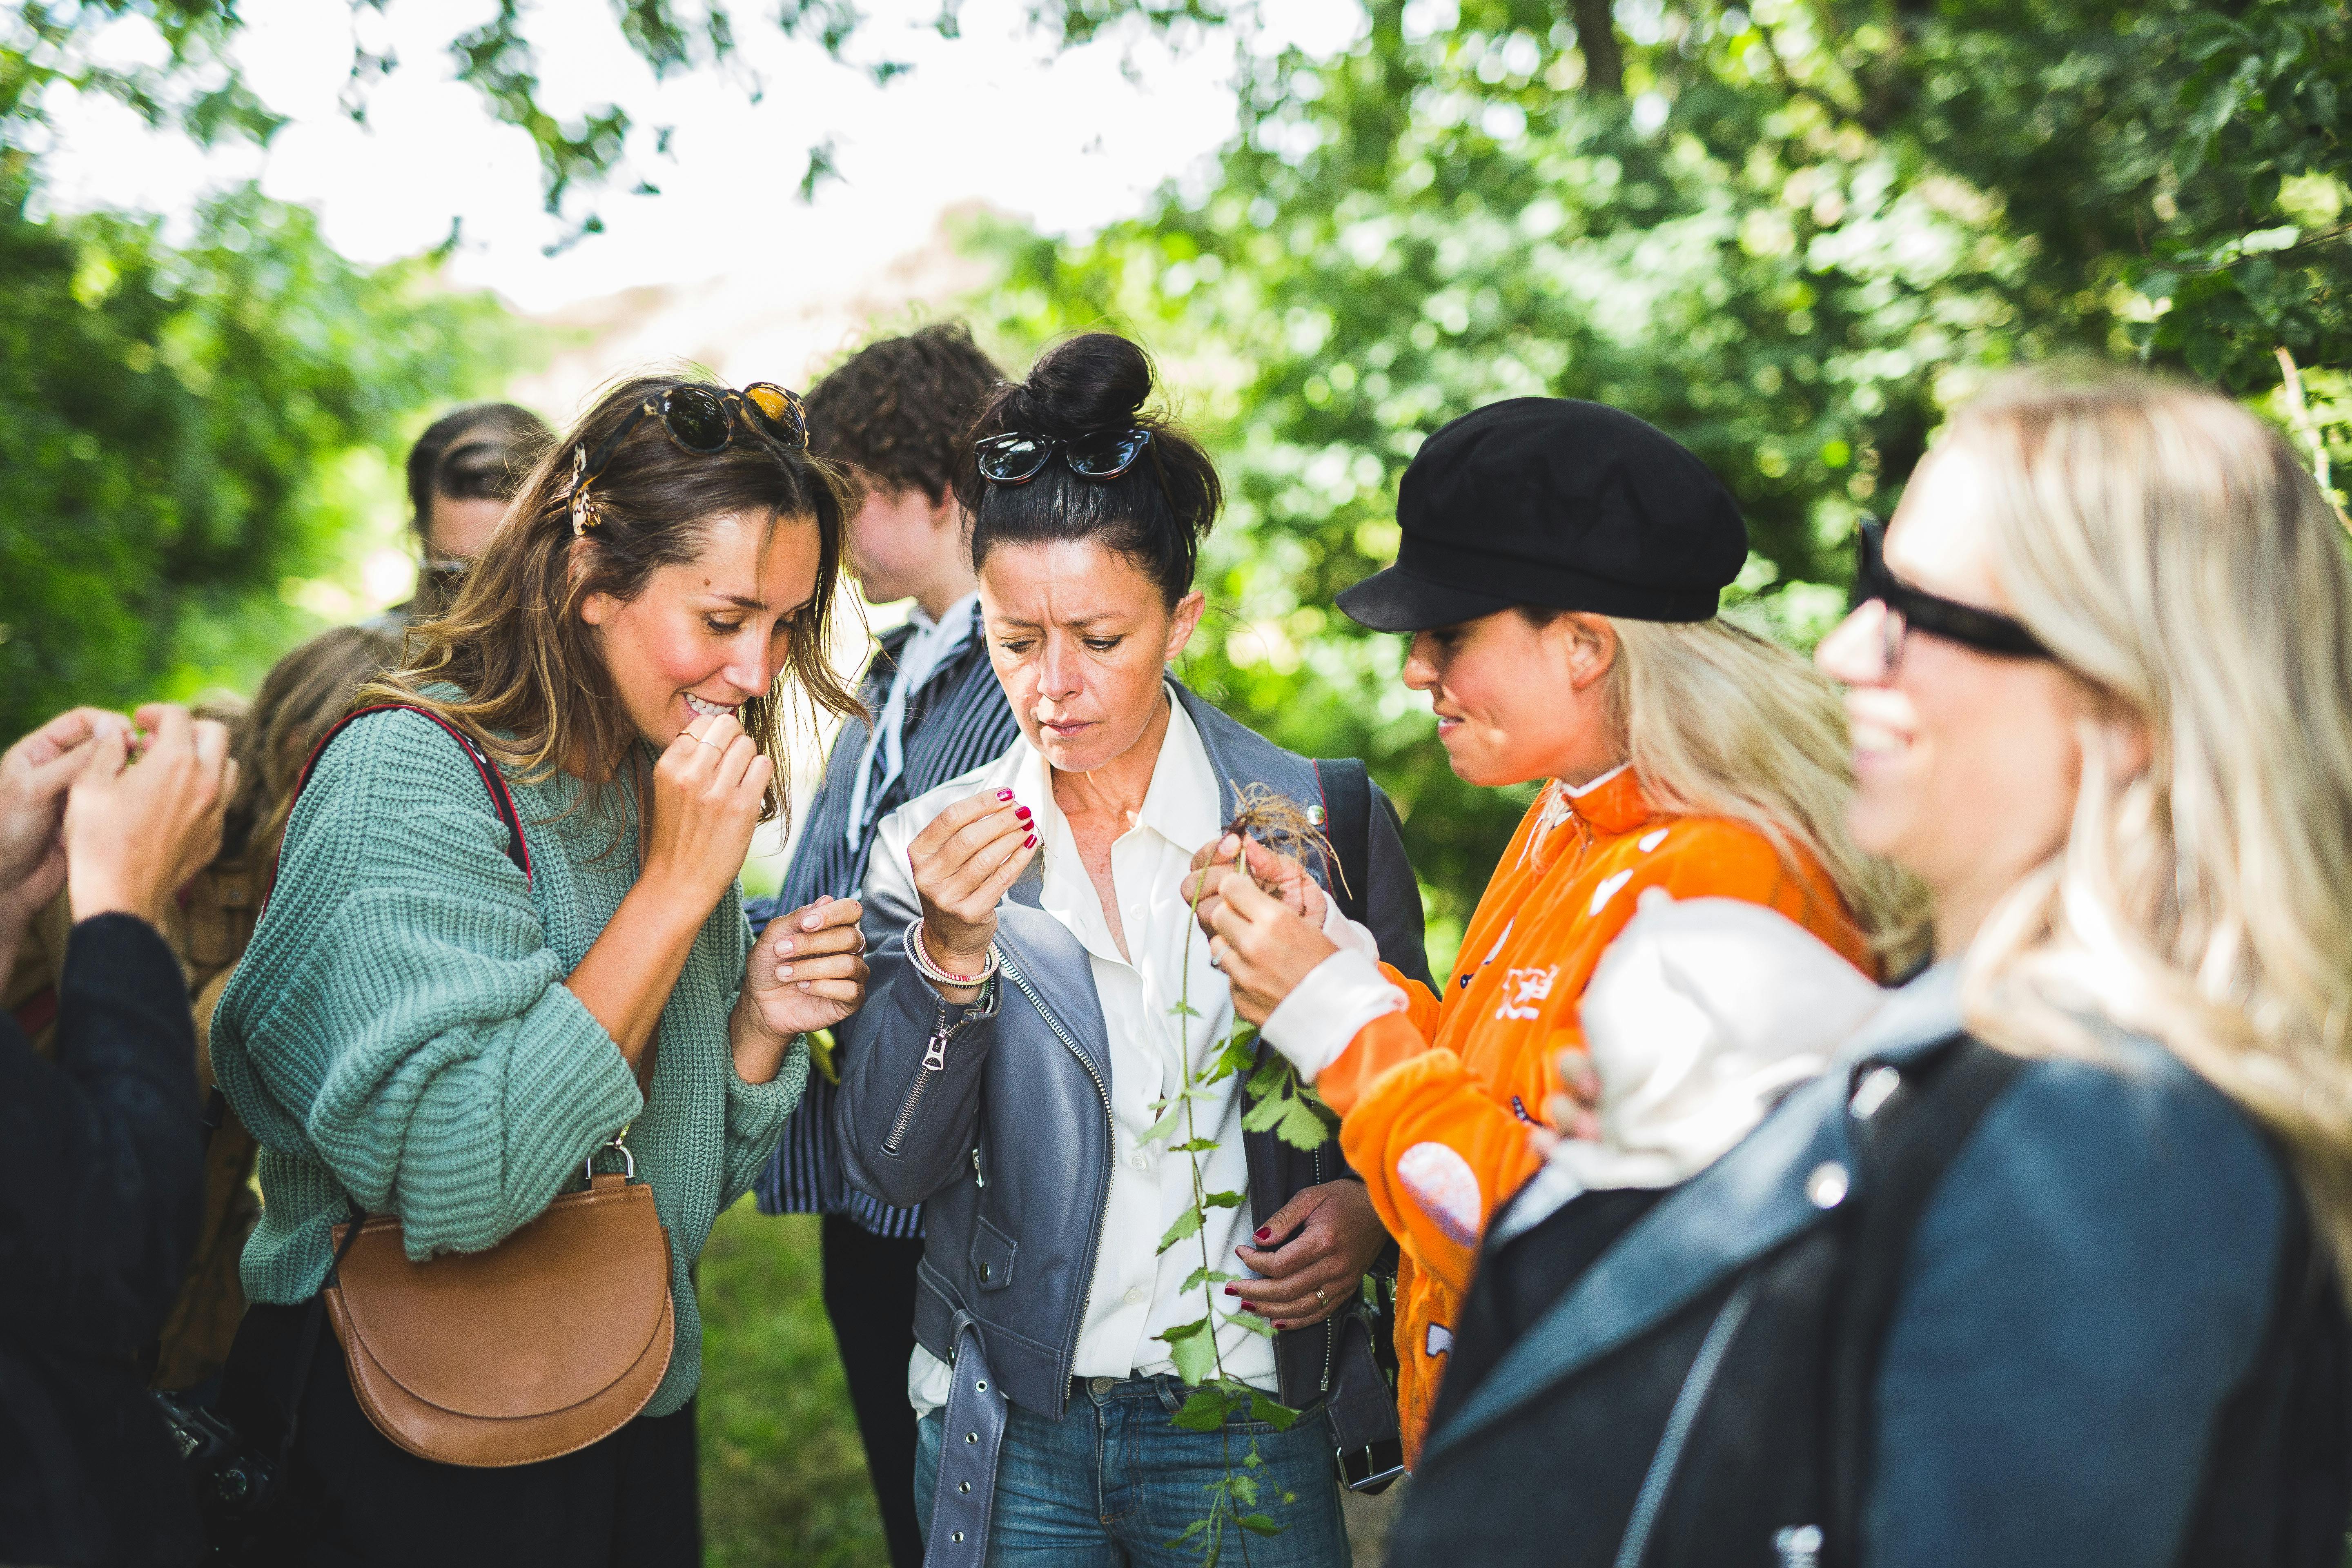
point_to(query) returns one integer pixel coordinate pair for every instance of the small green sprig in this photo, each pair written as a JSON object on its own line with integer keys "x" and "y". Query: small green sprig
{"x": 1238, "y": 1500}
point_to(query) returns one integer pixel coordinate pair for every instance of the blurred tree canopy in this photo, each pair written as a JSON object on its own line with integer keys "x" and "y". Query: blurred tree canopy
{"x": 178, "y": 420}
{"x": 1790, "y": 234}
{"x": 172, "y": 424}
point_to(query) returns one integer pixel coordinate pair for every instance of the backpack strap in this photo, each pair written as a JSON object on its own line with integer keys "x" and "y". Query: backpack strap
{"x": 1348, "y": 824}
{"x": 494, "y": 783}
{"x": 1907, "y": 1141}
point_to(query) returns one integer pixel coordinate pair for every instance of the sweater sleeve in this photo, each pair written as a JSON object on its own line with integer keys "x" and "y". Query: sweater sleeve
{"x": 107, "y": 1149}
{"x": 400, "y": 1012}
{"x": 755, "y": 1111}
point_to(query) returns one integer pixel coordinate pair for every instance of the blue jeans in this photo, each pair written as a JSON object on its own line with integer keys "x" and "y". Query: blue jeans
{"x": 1114, "y": 1483}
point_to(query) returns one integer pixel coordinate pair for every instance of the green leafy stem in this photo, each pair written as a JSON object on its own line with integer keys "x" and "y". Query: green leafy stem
{"x": 1236, "y": 1502}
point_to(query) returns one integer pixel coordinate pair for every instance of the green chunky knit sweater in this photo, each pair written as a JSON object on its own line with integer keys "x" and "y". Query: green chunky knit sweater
{"x": 399, "y": 1028}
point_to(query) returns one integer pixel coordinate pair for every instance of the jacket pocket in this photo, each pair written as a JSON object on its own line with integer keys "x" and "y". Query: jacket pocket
{"x": 992, "y": 1252}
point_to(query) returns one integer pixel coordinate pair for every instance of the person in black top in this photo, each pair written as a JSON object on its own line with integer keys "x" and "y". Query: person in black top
{"x": 891, "y": 414}
{"x": 105, "y": 1148}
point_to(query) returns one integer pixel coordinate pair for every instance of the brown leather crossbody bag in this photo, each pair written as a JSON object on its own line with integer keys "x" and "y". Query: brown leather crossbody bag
{"x": 549, "y": 1342}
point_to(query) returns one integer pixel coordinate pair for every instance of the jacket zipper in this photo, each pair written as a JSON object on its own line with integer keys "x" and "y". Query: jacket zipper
{"x": 1669, "y": 1454}
{"x": 935, "y": 1060}
{"x": 1332, "y": 1323}
{"x": 1011, "y": 970}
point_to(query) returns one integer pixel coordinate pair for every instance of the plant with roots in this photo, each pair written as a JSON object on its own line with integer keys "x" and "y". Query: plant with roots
{"x": 1238, "y": 1503}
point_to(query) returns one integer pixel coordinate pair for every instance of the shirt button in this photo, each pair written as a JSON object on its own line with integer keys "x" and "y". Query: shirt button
{"x": 1137, "y": 1295}
{"x": 1139, "y": 1160}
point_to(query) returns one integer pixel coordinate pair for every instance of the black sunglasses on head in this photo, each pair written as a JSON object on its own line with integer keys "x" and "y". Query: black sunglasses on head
{"x": 1015, "y": 458}
{"x": 699, "y": 420}
{"x": 1910, "y": 609}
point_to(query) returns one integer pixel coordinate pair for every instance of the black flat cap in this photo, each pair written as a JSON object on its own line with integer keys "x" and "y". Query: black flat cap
{"x": 1557, "y": 503}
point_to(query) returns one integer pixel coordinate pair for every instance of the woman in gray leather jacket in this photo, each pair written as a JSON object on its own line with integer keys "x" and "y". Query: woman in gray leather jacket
{"x": 1040, "y": 998}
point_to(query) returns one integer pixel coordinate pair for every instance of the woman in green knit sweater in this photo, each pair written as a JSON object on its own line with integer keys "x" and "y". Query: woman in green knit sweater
{"x": 421, "y": 1029}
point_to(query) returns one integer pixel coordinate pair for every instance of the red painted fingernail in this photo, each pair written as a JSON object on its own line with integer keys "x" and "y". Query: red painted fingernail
{"x": 1030, "y": 842}
{"x": 1231, "y": 1291}
{"x": 1281, "y": 1325}
{"x": 1022, "y": 812}
{"x": 1263, "y": 1231}
{"x": 1004, "y": 794}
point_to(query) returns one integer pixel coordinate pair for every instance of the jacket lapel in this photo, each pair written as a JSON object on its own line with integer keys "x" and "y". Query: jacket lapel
{"x": 1745, "y": 1205}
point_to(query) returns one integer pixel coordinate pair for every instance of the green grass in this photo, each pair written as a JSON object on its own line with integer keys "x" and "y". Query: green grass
{"x": 783, "y": 1479}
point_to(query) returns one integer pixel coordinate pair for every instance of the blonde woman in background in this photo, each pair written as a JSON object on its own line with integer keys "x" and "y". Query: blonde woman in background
{"x": 1559, "y": 573}
{"x": 2050, "y": 1271}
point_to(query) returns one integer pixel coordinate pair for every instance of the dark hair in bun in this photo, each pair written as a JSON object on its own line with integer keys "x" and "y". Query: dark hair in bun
{"x": 1155, "y": 514}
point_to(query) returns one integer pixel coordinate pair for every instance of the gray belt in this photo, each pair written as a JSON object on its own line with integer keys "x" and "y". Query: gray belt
{"x": 972, "y": 1432}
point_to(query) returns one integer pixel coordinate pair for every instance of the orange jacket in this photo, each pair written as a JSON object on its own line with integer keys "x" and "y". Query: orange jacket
{"x": 1436, "y": 1100}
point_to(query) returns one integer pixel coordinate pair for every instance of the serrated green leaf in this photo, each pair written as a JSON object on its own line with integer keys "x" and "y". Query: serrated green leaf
{"x": 1182, "y": 1010}
{"x": 1272, "y": 1411}
{"x": 1195, "y": 1355}
{"x": 1223, "y": 1200}
{"x": 1202, "y": 1411}
{"x": 1244, "y": 1487}
{"x": 1195, "y": 1146}
{"x": 1258, "y": 1524}
{"x": 1253, "y": 1322}
{"x": 1301, "y": 1127}
{"x": 1187, "y": 1224}
{"x": 1165, "y": 1125}
{"x": 1263, "y": 1115}
{"x": 1199, "y": 1276}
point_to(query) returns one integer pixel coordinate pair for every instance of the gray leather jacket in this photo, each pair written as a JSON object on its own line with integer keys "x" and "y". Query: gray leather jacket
{"x": 996, "y": 1118}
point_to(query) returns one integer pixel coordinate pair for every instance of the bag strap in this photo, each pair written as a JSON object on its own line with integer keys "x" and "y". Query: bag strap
{"x": 494, "y": 783}
{"x": 1905, "y": 1145}
{"x": 1348, "y": 824}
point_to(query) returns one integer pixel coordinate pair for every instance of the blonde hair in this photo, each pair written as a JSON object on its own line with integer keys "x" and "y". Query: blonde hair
{"x": 2167, "y": 548}
{"x": 1718, "y": 721}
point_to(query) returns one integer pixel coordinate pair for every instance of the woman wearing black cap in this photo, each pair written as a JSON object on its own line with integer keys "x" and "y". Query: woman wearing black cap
{"x": 1559, "y": 572}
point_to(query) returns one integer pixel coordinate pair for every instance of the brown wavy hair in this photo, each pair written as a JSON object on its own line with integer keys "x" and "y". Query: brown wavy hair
{"x": 535, "y": 693}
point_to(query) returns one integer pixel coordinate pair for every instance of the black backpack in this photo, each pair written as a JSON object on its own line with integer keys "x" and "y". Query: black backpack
{"x": 1737, "y": 1432}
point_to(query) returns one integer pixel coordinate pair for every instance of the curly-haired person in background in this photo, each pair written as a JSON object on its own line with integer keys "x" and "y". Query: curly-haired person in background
{"x": 890, "y": 416}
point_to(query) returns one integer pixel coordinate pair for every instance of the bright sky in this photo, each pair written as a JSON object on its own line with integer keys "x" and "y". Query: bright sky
{"x": 1071, "y": 142}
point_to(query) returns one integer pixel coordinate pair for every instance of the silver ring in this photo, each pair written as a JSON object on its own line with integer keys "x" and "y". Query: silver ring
{"x": 1216, "y": 958}
{"x": 712, "y": 744}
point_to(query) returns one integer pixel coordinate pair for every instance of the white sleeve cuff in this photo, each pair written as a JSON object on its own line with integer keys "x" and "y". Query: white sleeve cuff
{"x": 1346, "y": 933}
{"x": 1339, "y": 995}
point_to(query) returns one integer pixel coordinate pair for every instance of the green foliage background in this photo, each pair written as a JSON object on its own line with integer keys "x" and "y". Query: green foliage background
{"x": 1790, "y": 235}
{"x": 184, "y": 429}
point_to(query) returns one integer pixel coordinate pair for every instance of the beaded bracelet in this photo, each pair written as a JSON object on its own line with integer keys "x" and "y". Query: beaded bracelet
{"x": 918, "y": 954}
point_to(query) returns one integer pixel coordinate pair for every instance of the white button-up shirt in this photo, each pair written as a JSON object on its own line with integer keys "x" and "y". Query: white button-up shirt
{"x": 1134, "y": 1295}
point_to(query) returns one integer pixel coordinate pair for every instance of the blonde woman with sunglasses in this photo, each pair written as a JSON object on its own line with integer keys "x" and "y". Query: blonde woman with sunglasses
{"x": 2049, "y": 1269}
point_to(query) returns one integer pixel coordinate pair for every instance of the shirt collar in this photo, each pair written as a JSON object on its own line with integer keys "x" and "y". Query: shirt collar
{"x": 1614, "y": 803}
{"x": 1181, "y": 804}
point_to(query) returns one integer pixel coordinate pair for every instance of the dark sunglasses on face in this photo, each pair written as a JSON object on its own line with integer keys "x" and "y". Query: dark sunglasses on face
{"x": 1014, "y": 459}
{"x": 702, "y": 420}
{"x": 1910, "y": 609}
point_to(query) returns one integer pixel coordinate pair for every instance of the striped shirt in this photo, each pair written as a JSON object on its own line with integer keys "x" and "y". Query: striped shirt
{"x": 958, "y": 721}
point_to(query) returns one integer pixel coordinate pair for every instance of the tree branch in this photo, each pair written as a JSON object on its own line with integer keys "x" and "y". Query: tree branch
{"x": 1596, "y": 39}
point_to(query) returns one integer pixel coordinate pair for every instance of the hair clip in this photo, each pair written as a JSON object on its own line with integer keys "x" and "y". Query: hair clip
{"x": 584, "y": 510}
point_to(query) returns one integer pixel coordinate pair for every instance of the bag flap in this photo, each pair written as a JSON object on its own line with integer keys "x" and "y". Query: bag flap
{"x": 553, "y": 1315}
